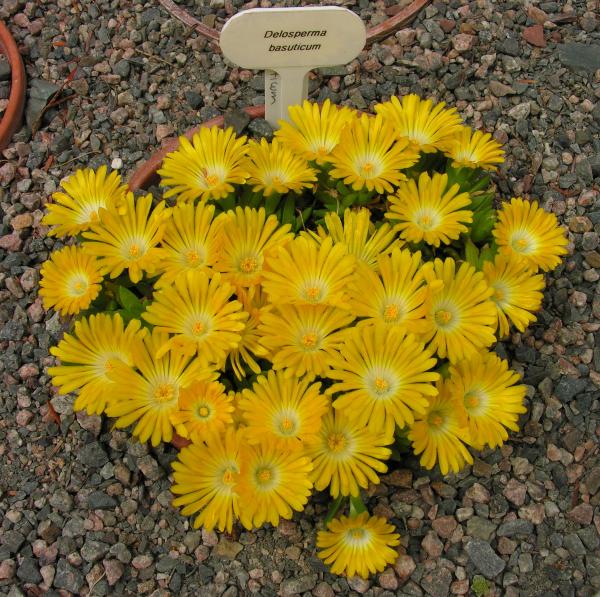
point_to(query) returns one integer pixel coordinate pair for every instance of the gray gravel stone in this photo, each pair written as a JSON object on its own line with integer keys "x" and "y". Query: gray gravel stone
{"x": 579, "y": 56}
{"x": 67, "y": 577}
{"x": 485, "y": 558}
{"x": 514, "y": 528}
{"x": 98, "y": 500}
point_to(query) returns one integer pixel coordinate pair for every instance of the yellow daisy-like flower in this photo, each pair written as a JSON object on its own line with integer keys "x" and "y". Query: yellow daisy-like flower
{"x": 438, "y": 433}
{"x": 360, "y": 236}
{"x": 272, "y": 484}
{"x": 316, "y": 130}
{"x": 491, "y": 397}
{"x": 384, "y": 377}
{"x": 474, "y": 149}
{"x": 200, "y": 314}
{"x": 191, "y": 242}
{"x": 430, "y": 211}
{"x": 396, "y": 295}
{"x": 461, "y": 318}
{"x": 149, "y": 397}
{"x": 128, "y": 240}
{"x": 204, "y": 409}
{"x": 254, "y": 302}
{"x": 86, "y": 193}
{"x": 347, "y": 456}
{"x": 425, "y": 126}
{"x": 70, "y": 280}
{"x": 206, "y": 168}
{"x": 248, "y": 238}
{"x": 283, "y": 411}
{"x": 205, "y": 478}
{"x": 517, "y": 292}
{"x": 273, "y": 168}
{"x": 526, "y": 231}
{"x": 89, "y": 354}
{"x": 369, "y": 156}
{"x": 308, "y": 273}
{"x": 303, "y": 338}
{"x": 362, "y": 545}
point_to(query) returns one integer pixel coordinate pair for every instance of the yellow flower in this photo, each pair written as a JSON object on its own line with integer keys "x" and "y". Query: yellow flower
{"x": 384, "y": 377}
{"x": 191, "y": 242}
{"x": 205, "y": 478}
{"x": 430, "y": 211}
{"x": 204, "y": 409}
{"x": 199, "y": 311}
{"x": 360, "y": 236}
{"x": 461, "y": 318}
{"x": 396, "y": 295}
{"x": 149, "y": 397}
{"x": 315, "y": 131}
{"x": 86, "y": 193}
{"x": 438, "y": 433}
{"x": 308, "y": 273}
{"x": 303, "y": 338}
{"x": 255, "y": 304}
{"x": 474, "y": 149}
{"x": 128, "y": 240}
{"x": 425, "y": 126}
{"x": 206, "y": 168}
{"x": 273, "y": 168}
{"x": 526, "y": 231}
{"x": 70, "y": 280}
{"x": 362, "y": 545}
{"x": 368, "y": 156}
{"x": 89, "y": 354}
{"x": 272, "y": 484}
{"x": 283, "y": 411}
{"x": 517, "y": 292}
{"x": 248, "y": 238}
{"x": 347, "y": 455}
{"x": 486, "y": 387}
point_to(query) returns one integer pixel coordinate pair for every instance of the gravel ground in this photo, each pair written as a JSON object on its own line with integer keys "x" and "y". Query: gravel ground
{"x": 84, "y": 511}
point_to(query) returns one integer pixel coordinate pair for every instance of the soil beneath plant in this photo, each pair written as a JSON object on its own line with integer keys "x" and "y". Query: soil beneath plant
{"x": 85, "y": 511}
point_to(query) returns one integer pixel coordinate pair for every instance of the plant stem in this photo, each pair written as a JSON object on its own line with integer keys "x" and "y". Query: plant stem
{"x": 333, "y": 509}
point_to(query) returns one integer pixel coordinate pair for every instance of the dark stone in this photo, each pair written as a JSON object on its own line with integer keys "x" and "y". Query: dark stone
{"x": 437, "y": 582}
{"x": 238, "y": 119}
{"x": 510, "y": 46}
{"x": 4, "y": 70}
{"x": 98, "y": 500}
{"x": 485, "y": 558}
{"x": 40, "y": 91}
{"x": 194, "y": 99}
{"x": 122, "y": 68}
{"x": 29, "y": 572}
{"x": 165, "y": 564}
{"x": 299, "y": 584}
{"x": 568, "y": 387}
{"x": 515, "y": 527}
{"x": 12, "y": 540}
{"x": 93, "y": 455}
{"x": 577, "y": 56}
{"x": 261, "y": 128}
{"x": 67, "y": 577}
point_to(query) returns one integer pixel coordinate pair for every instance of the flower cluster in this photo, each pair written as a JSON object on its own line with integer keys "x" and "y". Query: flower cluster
{"x": 302, "y": 310}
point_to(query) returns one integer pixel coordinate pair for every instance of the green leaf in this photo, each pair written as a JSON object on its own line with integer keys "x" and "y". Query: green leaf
{"x": 484, "y": 217}
{"x": 287, "y": 213}
{"x": 272, "y": 203}
{"x": 127, "y": 299}
{"x": 488, "y": 253}
{"x": 356, "y": 506}
{"x": 333, "y": 509}
{"x": 471, "y": 253}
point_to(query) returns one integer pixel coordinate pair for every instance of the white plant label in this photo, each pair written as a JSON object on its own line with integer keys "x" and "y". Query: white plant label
{"x": 289, "y": 42}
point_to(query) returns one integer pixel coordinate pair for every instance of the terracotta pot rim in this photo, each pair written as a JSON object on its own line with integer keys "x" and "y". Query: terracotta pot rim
{"x": 376, "y": 33}
{"x": 13, "y": 116}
